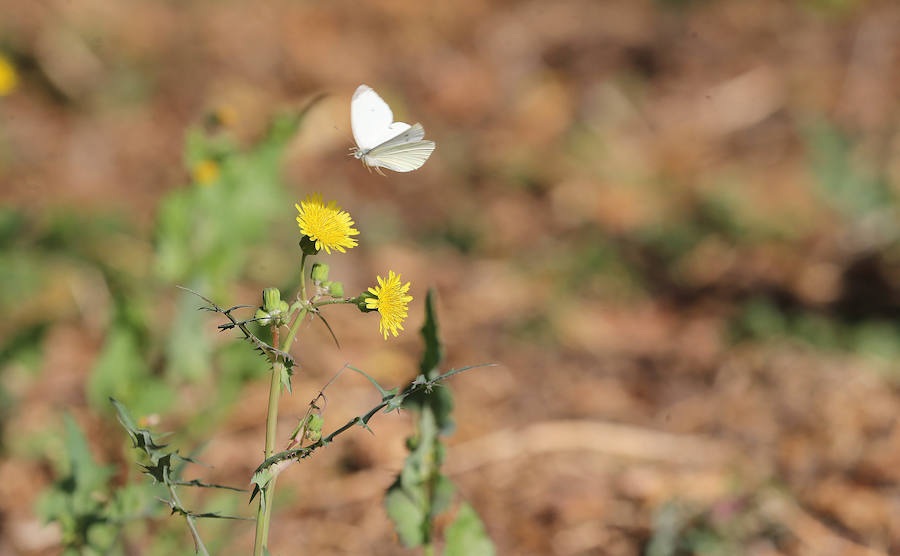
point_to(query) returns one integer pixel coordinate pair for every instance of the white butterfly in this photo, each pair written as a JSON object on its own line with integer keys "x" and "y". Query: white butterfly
{"x": 380, "y": 141}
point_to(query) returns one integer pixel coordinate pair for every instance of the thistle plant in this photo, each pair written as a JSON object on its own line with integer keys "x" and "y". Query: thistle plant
{"x": 326, "y": 227}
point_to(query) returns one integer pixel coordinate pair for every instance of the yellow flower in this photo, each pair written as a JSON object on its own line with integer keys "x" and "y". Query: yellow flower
{"x": 327, "y": 225}
{"x": 205, "y": 172}
{"x": 8, "y": 76}
{"x": 390, "y": 300}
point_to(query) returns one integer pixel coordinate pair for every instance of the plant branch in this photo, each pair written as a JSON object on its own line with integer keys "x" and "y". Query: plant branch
{"x": 198, "y": 542}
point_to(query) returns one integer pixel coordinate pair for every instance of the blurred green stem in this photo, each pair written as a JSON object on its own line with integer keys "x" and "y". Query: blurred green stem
{"x": 201, "y": 548}
{"x": 264, "y": 513}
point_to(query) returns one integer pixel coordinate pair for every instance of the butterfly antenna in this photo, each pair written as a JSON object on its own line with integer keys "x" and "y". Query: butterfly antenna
{"x": 349, "y": 138}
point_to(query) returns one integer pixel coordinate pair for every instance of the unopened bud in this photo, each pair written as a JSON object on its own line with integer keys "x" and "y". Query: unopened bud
{"x": 319, "y": 272}
{"x": 271, "y": 299}
{"x": 262, "y": 318}
{"x": 336, "y": 289}
{"x": 314, "y": 427}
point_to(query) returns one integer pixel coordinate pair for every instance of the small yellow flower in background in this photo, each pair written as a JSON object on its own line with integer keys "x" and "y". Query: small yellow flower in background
{"x": 205, "y": 172}
{"x": 390, "y": 300}
{"x": 226, "y": 115}
{"x": 8, "y": 76}
{"x": 327, "y": 225}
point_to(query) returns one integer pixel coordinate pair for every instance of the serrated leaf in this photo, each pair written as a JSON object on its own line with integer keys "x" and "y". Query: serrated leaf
{"x": 466, "y": 536}
{"x": 265, "y": 473}
{"x": 286, "y": 378}
{"x": 199, "y": 483}
{"x": 217, "y": 515}
{"x": 141, "y": 438}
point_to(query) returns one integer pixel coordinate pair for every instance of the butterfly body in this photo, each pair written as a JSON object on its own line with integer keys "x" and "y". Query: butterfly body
{"x": 382, "y": 142}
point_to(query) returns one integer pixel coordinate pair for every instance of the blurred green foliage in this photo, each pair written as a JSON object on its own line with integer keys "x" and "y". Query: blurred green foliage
{"x": 725, "y": 528}
{"x": 90, "y": 513}
{"x": 421, "y": 493}
{"x": 204, "y": 237}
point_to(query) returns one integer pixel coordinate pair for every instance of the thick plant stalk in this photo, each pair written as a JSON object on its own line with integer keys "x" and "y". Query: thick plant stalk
{"x": 264, "y": 513}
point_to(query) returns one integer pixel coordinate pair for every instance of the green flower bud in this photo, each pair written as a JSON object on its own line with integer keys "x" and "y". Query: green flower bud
{"x": 314, "y": 422}
{"x": 336, "y": 289}
{"x": 308, "y": 246}
{"x": 314, "y": 427}
{"x": 271, "y": 299}
{"x": 283, "y": 307}
{"x": 319, "y": 272}
{"x": 263, "y": 318}
{"x": 412, "y": 442}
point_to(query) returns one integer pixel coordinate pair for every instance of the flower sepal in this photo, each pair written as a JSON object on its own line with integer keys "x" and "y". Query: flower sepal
{"x": 308, "y": 246}
{"x": 361, "y": 304}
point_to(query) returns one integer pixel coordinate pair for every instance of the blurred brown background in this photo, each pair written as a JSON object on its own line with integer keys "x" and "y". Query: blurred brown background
{"x": 672, "y": 223}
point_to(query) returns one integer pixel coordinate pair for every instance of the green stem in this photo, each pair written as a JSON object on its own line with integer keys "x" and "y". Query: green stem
{"x": 191, "y": 525}
{"x": 303, "y": 277}
{"x": 318, "y": 304}
{"x": 264, "y": 513}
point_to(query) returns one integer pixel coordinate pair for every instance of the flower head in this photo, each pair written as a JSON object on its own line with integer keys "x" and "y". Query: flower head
{"x": 390, "y": 300}
{"x": 327, "y": 225}
{"x": 205, "y": 172}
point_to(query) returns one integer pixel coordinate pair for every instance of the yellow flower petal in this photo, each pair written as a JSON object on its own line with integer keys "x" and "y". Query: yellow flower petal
{"x": 327, "y": 225}
{"x": 390, "y": 300}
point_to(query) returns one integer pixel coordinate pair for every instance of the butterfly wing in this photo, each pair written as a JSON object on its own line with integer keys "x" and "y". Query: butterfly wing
{"x": 371, "y": 119}
{"x": 404, "y": 153}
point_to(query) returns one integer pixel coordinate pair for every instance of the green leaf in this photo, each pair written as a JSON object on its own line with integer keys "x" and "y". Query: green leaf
{"x": 265, "y": 473}
{"x": 199, "y": 483}
{"x": 286, "y": 373}
{"x": 385, "y": 394}
{"x": 440, "y": 401}
{"x": 78, "y": 500}
{"x": 441, "y": 495}
{"x": 407, "y": 513}
{"x": 466, "y": 535}
{"x": 434, "y": 350}
{"x": 141, "y": 438}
